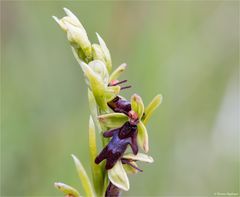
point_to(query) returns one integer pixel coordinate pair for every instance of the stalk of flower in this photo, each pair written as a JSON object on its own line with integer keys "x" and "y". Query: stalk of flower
{"x": 126, "y": 125}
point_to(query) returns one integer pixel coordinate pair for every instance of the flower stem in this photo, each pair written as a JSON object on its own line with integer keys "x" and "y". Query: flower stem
{"x": 112, "y": 191}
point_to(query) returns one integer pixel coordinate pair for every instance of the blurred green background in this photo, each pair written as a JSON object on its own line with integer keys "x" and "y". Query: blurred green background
{"x": 186, "y": 50}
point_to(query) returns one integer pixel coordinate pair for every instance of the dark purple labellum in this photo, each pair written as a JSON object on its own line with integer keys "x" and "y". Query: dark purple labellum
{"x": 121, "y": 137}
{"x": 120, "y": 105}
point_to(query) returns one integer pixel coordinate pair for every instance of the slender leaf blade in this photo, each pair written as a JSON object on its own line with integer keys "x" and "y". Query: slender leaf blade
{"x": 97, "y": 173}
{"x": 83, "y": 177}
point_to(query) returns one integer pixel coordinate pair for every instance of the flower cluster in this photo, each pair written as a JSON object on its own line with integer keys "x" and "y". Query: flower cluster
{"x": 120, "y": 122}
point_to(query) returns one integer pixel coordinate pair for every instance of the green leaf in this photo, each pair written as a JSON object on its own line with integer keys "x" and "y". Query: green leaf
{"x": 112, "y": 120}
{"x": 83, "y": 177}
{"x": 97, "y": 173}
{"x": 151, "y": 108}
{"x": 138, "y": 157}
{"x": 106, "y": 53}
{"x": 142, "y": 137}
{"x": 118, "y": 176}
{"x": 116, "y": 73}
{"x": 137, "y": 105}
{"x": 67, "y": 190}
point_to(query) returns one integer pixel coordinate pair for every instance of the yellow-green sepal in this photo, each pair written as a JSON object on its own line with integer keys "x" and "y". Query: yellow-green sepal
{"x": 152, "y": 106}
{"x": 142, "y": 137}
{"x": 112, "y": 120}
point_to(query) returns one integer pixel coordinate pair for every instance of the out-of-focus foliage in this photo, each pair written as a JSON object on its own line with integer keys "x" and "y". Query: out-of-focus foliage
{"x": 188, "y": 51}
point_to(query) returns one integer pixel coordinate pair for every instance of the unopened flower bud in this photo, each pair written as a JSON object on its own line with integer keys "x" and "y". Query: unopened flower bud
{"x": 98, "y": 53}
{"x": 105, "y": 52}
{"x": 76, "y": 33}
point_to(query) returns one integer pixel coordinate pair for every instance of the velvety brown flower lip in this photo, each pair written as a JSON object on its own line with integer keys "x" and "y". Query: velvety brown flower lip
{"x": 121, "y": 137}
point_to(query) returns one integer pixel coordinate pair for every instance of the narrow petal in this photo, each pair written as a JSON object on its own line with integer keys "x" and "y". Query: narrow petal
{"x": 142, "y": 137}
{"x": 137, "y": 105}
{"x": 67, "y": 190}
{"x": 138, "y": 157}
{"x": 113, "y": 120}
{"x": 151, "y": 108}
{"x": 83, "y": 177}
{"x": 118, "y": 176}
{"x": 129, "y": 169}
{"x": 116, "y": 73}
